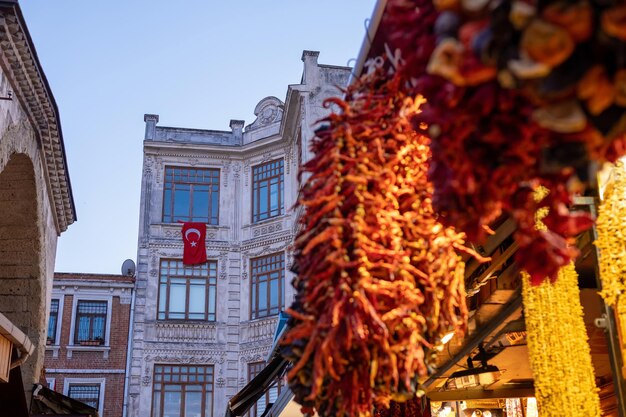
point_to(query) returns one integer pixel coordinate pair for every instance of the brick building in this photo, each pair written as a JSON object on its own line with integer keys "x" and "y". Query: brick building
{"x": 87, "y": 339}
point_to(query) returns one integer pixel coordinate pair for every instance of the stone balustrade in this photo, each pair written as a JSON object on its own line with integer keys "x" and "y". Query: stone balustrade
{"x": 185, "y": 332}
{"x": 260, "y": 329}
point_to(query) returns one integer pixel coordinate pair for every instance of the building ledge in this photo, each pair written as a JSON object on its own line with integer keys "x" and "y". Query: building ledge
{"x": 54, "y": 349}
{"x": 19, "y": 340}
{"x": 79, "y": 348}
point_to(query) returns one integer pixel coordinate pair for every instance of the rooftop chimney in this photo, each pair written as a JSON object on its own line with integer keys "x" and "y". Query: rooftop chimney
{"x": 151, "y": 121}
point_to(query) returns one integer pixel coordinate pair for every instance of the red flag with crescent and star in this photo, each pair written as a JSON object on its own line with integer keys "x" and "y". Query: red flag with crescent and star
{"x": 194, "y": 235}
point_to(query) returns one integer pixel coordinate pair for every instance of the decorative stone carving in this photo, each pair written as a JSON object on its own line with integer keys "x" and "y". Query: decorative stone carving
{"x": 225, "y": 171}
{"x": 237, "y": 170}
{"x": 172, "y": 233}
{"x": 154, "y": 259}
{"x": 223, "y": 261}
{"x": 147, "y": 378}
{"x": 267, "y": 248}
{"x": 288, "y": 156}
{"x": 268, "y": 111}
{"x": 244, "y": 267}
{"x": 251, "y": 358}
{"x": 186, "y": 359}
{"x": 246, "y": 171}
{"x": 269, "y": 228}
{"x": 148, "y": 165}
{"x": 159, "y": 172}
{"x": 220, "y": 382}
{"x": 267, "y": 156}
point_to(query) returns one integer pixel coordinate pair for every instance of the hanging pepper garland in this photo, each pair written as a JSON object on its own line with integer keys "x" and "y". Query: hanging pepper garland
{"x": 558, "y": 347}
{"x": 379, "y": 280}
{"x": 517, "y": 92}
{"x": 415, "y": 407}
{"x": 611, "y": 242}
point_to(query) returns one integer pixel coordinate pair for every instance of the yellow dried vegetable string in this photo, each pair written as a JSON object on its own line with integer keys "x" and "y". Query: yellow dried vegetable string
{"x": 558, "y": 346}
{"x": 611, "y": 228}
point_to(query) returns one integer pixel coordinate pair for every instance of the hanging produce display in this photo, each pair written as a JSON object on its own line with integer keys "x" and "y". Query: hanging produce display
{"x": 611, "y": 242}
{"x": 379, "y": 280}
{"x": 415, "y": 407}
{"x": 563, "y": 373}
{"x": 518, "y": 93}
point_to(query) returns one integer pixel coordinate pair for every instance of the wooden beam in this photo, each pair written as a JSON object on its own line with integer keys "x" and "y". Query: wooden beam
{"x": 480, "y": 394}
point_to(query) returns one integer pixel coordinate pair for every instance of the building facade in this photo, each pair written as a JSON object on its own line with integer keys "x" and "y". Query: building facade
{"x": 87, "y": 339}
{"x": 36, "y": 206}
{"x": 201, "y": 332}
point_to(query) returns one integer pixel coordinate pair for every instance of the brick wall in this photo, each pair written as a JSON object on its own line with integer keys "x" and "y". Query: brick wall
{"x": 106, "y": 362}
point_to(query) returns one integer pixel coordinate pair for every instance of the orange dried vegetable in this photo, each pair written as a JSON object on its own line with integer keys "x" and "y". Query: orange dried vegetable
{"x": 379, "y": 281}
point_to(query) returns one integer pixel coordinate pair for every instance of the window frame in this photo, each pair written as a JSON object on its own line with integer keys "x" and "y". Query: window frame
{"x": 67, "y": 382}
{"x": 210, "y": 216}
{"x": 206, "y": 412}
{"x": 52, "y": 383}
{"x": 255, "y": 200}
{"x": 74, "y": 328}
{"x": 255, "y": 312}
{"x": 166, "y": 308}
{"x": 91, "y": 316}
{"x": 57, "y": 331}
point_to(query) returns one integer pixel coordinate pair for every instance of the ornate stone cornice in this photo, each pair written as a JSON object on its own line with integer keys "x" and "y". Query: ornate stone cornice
{"x": 217, "y": 152}
{"x": 185, "y": 356}
{"x": 160, "y": 244}
{"x": 29, "y": 83}
{"x": 285, "y": 238}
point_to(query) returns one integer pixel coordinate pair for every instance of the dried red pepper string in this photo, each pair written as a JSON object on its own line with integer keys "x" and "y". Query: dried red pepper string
{"x": 416, "y": 407}
{"x": 379, "y": 281}
{"x": 486, "y": 149}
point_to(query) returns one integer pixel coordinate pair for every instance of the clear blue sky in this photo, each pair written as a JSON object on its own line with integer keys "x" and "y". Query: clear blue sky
{"x": 196, "y": 63}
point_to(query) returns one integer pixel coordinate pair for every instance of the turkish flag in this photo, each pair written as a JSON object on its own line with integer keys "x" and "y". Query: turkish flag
{"x": 194, "y": 235}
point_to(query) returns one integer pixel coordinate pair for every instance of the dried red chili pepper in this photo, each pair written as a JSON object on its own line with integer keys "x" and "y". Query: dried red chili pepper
{"x": 379, "y": 281}
{"x": 486, "y": 146}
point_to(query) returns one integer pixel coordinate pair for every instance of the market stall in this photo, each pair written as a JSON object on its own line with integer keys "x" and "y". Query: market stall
{"x": 446, "y": 250}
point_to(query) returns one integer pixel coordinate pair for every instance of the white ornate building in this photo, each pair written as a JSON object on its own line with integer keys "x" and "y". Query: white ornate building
{"x": 201, "y": 332}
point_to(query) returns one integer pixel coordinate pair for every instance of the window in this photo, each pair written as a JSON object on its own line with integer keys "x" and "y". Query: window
{"x": 182, "y": 391}
{"x": 187, "y": 292}
{"x": 191, "y": 195}
{"x": 267, "y": 283}
{"x": 52, "y": 322}
{"x": 271, "y": 394}
{"x": 85, "y": 393}
{"x": 267, "y": 190}
{"x": 90, "y": 327}
{"x": 52, "y": 383}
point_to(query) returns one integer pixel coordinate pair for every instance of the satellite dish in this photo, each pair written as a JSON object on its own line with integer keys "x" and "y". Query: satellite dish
{"x": 128, "y": 268}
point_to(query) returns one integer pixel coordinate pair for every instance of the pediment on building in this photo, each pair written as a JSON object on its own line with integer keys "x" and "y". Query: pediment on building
{"x": 267, "y": 112}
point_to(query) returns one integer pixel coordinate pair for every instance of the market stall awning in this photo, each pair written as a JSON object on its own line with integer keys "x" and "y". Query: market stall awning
{"x": 47, "y": 402}
{"x": 241, "y": 402}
